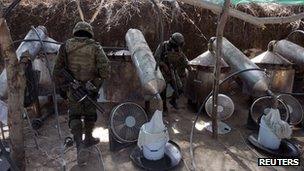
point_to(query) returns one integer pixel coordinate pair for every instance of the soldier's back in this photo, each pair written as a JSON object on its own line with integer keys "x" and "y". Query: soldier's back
{"x": 81, "y": 58}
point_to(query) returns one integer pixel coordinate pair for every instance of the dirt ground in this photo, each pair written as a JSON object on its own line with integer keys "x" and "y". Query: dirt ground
{"x": 229, "y": 152}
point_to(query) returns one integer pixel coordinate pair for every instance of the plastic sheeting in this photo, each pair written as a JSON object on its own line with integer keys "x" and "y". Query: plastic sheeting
{"x": 153, "y": 131}
{"x": 3, "y": 112}
{"x": 280, "y": 128}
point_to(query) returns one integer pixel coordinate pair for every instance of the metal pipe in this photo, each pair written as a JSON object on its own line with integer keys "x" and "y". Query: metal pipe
{"x": 152, "y": 80}
{"x": 290, "y": 51}
{"x": 254, "y": 80}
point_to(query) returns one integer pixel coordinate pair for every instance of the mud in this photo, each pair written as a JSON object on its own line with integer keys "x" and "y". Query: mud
{"x": 116, "y": 17}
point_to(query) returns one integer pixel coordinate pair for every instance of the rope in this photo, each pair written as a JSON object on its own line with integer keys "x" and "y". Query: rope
{"x": 54, "y": 99}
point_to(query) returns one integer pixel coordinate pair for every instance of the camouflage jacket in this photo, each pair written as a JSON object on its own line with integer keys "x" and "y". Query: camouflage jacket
{"x": 85, "y": 59}
{"x": 169, "y": 59}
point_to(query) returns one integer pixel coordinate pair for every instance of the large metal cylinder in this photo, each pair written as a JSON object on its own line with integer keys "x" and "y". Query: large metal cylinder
{"x": 200, "y": 80}
{"x": 34, "y": 48}
{"x": 279, "y": 70}
{"x": 255, "y": 81}
{"x": 290, "y": 51}
{"x": 151, "y": 80}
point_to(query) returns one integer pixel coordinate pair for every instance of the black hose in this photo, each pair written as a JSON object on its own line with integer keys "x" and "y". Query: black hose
{"x": 295, "y": 31}
{"x": 294, "y": 94}
{"x": 35, "y": 40}
{"x": 203, "y": 104}
{"x": 10, "y": 8}
{"x": 60, "y": 43}
{"x": 53, "y": 95}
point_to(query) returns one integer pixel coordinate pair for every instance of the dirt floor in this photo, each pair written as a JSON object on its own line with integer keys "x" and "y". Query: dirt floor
{"x": 229, "y": 152}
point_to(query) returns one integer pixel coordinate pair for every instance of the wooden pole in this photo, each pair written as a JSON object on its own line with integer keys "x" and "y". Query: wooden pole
{"x": 217, "y": 69}
{"x": 16, "y": 86}
{"x": 258, "y": 21}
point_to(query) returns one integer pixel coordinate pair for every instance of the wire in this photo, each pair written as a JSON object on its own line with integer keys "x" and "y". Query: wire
{"x": 54, "y": 98}
{"x": 10, "y": 8}
{"x": 60, "y": 43}
{"x": 295, "y": 31}
{"x": 160, "y": 18}
{"x": 294, "y": 94}
{"x": 35, "y": 40}
{"x": 203, "y": 104}
{"x": 100, "y": 157}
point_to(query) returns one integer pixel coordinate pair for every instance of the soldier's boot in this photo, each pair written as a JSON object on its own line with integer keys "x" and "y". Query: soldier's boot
{"x": 79, "y": 146}
{"x": 89, "y": 140}
{"x": 173, "y": 101}
{"x": 174, "y": 104}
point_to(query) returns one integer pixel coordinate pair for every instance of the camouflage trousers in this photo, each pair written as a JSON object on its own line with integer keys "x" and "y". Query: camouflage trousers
{"x": 84, "y": 110}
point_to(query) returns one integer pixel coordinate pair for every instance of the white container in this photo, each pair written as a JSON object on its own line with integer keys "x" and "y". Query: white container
{"x": 155, "y": 151}
{"x": 267, "y": 138}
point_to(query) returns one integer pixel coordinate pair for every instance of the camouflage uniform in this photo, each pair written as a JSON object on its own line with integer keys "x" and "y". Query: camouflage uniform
{"x": 172, "y": 63}
{"x": 86, "y": 61}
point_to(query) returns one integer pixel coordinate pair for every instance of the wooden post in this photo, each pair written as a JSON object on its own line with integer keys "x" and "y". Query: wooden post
{"x": 16, "y": 86}
{"x": 217, "y": 69}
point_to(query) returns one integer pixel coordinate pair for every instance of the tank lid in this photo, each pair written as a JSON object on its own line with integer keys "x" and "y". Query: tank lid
{"x": 206, "y": 59}
{"x": 269, "y": 57}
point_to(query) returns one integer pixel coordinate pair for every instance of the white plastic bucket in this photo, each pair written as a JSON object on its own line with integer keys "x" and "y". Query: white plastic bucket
{"x": 267, "y": 138}
{"x": 155, "y": 151}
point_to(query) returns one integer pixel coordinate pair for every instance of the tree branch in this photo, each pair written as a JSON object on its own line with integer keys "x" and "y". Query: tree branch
{"x": 217, "y": 69}
{"x": 258, "y": 21}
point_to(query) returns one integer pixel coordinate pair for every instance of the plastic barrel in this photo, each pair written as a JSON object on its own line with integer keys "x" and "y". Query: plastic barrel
{"x": 267, "y": 138}
{"x": 155, "y": 151}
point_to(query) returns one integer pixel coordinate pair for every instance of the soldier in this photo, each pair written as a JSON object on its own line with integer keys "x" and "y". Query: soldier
{"x": 86, "y": 61}
{"x": 172, "y": 63}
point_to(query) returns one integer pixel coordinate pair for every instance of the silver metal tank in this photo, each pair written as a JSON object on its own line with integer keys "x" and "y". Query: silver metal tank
{"x": 124, "y": 84}
{"x": 279, "y": 71}
{"x": 290, "y": 51}
{"x": 200, "y": 80}
{"x": 295, "y": 54}
{"x": 34, "y": 48}
{"x": 254, "y": 81}
{"x": 151, "y": 80}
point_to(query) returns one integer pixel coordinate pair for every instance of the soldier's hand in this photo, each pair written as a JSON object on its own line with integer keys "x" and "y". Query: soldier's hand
{"x": 90, "y": 86}
{"x": 74, "y": 85}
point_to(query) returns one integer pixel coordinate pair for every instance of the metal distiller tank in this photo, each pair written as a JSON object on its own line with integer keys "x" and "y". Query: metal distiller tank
{"x": 254, "y": 82}
{"x": 200, "y": 80}
{"x": 295, "y": 54}
{"x": 280, "y": 72}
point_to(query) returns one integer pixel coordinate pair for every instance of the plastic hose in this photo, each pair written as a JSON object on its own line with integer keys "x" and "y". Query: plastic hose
{"x": 203, "y": 104}
{"x": 54, "y": 98}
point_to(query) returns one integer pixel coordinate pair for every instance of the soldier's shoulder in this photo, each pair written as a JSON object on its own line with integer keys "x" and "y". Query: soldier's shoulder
{"x": 71, "y": 40}
{"x": 98, "y": 45}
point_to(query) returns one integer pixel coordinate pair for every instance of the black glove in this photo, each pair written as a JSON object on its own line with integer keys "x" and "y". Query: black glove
{"x": 63, "y": 94}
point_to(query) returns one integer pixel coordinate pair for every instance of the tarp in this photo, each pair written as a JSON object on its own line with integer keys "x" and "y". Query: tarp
{"x": 285, "y": 2}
